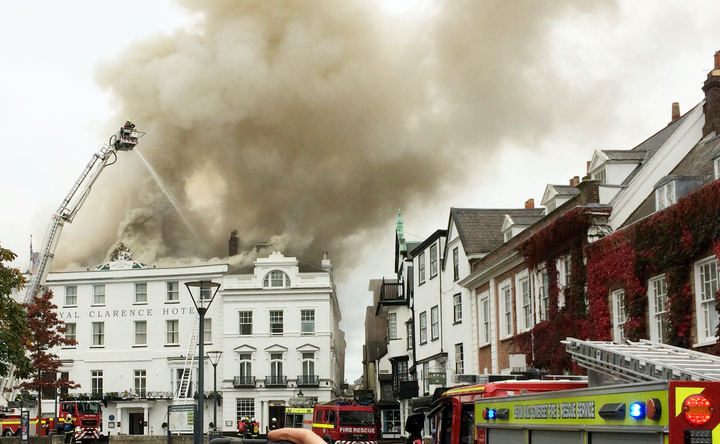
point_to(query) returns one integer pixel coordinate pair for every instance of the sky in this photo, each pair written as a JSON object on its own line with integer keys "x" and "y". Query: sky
{"x": 307, "y": 125}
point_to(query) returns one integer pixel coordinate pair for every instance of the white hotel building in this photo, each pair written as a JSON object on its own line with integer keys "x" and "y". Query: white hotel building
{"x": 276, "y": 322}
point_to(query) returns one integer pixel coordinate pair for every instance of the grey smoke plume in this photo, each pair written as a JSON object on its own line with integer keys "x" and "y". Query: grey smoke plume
{"x": 308, "y": 122}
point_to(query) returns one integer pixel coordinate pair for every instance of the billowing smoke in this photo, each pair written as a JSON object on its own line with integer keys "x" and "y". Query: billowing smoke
{"x": 302, "y": 123}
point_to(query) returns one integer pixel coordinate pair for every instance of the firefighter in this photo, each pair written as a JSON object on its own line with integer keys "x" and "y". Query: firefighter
{"x": 255, "y": 428}
{"x": 248, "y": 428}
{"x": 69, "y": 427}
{"x": 241, "y": 427}
{"x": 273, "y": 424}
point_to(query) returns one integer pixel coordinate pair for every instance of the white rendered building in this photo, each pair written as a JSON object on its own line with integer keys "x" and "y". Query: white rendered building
{"x": 134, "y": 324}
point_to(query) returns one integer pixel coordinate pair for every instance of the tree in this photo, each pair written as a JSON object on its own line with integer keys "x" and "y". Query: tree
{"x": 45, "y": 331}
{"x": 13, "y": 323}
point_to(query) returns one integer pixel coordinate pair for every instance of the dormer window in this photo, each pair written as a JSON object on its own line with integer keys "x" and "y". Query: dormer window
{"x": 665, "y": 196}
{"x": 507, "y": 235}
{"x": 716, "y": 163}
{"x": 276, "y": 279}
{"x": 550, "y": 207}
{"x": 600, "y": 175}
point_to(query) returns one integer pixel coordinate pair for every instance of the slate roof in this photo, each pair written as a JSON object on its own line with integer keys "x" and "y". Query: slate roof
{"x": 525, "y": 220}
{"x": 698, "y": 162}
{"x": 566, "y": 190}
{"x": 303, "y": 267}
{"x": 479, "y": 229}
{"x": 625, "y": 155}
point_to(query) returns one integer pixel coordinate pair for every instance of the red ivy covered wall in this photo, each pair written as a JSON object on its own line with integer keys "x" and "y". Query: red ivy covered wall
{"x": 667, "y": 242}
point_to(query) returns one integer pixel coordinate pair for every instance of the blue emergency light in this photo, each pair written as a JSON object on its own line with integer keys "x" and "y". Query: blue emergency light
{"x": 637, "y": 410}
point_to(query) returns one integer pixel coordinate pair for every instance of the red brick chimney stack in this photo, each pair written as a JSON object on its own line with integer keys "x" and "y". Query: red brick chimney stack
{"x": 675, "y": 111}
{"x": 712, "y": 99}
{"x": 530, "y": 204}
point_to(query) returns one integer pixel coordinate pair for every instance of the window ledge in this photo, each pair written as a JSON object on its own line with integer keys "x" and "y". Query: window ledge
{"x": 705, "y": 343}
{"x": 172, "y": 302}
{"x": 457, "y": 322}
{"x": 97, "y": 346}
{"x": 172, "y": 345}
{"x": 70, "y": 306}
{"x": 140, "y": 346}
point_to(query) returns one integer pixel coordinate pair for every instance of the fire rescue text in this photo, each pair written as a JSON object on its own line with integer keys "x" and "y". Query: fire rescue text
{"x": 561, "y": 410}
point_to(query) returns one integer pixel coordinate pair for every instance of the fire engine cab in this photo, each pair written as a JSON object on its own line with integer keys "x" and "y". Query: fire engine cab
{"x": 347, "y": 422}
{"x": 640, "y": 392}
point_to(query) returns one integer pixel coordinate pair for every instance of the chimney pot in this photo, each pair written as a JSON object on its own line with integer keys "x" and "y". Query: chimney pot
{"x": 711, "y": 88}
{"x": 576, "y": 180}
{"x": 588, "y": 166}
{"x": 530, "y": 204}
{"x": 717, "y": 59}
{"x": 676, "y": 110}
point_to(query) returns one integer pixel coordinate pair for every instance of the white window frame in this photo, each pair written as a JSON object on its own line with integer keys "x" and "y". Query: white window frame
{"x": 140, "y": 382}
{"x": 207, "y": 331}
{"x": 245, "y": 315}
{"x": 485, "y": 320}
{"x": 459, "y": 359}
{"x": 71, "y": 332}
{"x": 421, "y": 268}
{"x": 140, "y": 333}
{"x": 457, "y": 308}
{"x": 98, "y": 294}
{"x": 423, "y": 327}
{"x": 506, "y": 314}
{"x": 409, "y": 330}
{"x": 172, "y": 332}
{"x": 98, "y": 334}
{"x": 71, "y": 296}
{"x": 600, "y": 175}
{"x": 657, "y": 297}
{"x": 96, "y": 382}
{"x": 524, "y": 302}
{"x": 172, "y": 291}
{"x": 434, "y": 323}
{"x": 542, "y": 284}
{"x": 141, "y": 293}
{"x": 619, "y": 315}
{"x": 307, "y": 322}
{"x": 705, "y": 289}
{"x": 507, "y": 235}
{"x": 308, "y": 364}
{"x": 716, "y": 167}
{"x": 456, "y": 264}
{"x": 277, "y": 322}
{"x": 392, "y": 326}
{"x": 276, "y": 279}
{"x": 433, "y": 260}
{"x": 665, "y": 196}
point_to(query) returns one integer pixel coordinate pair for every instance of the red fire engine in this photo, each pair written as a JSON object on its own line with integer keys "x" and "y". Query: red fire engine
{"x": 87, "y": 416}
{"x": 347, "y": 421}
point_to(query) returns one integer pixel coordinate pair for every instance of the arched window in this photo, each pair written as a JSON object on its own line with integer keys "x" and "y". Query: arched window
{"x": 275, "y": 279}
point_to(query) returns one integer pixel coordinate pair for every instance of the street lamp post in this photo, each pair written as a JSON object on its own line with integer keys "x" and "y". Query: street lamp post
{"x": 202, "y": 303}
{"x": 214, "y": 357}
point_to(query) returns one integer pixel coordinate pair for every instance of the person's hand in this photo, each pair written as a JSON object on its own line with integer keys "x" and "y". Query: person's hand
{"x": 298, "y": 436}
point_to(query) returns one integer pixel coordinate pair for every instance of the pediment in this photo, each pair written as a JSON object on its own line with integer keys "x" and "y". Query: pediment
{"x": 276, "y": 348}
{"x": 598, "y": 159}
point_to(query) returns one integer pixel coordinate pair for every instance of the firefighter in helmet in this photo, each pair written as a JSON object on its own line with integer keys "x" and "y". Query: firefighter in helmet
{"x": 255, "y": 428}
{"x": 69, "y": 427}
{"x": 248, "y": 428}
{"x": 273, "y": 424}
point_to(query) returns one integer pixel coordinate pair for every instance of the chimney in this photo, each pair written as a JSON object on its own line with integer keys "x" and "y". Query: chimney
{"x": 326, "y": 261}
{"x": 712, "y": 99}
{"x": 675, "y": 112}
{"x": 575, "y": 180}
{"x": 233, "y": 243}
{"x": 530, "y": 204}
{"x": 588, "y": 166}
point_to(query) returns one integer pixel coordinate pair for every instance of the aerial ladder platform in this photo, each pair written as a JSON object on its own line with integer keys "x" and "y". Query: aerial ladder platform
{"x": 643, "y": 361}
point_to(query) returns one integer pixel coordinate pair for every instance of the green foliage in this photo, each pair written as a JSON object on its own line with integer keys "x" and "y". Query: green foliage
{"x": 13, "y": 323}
